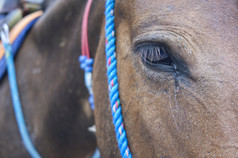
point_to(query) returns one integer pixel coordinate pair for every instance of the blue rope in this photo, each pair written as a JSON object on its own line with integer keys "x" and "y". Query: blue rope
{"x": 96, "y": 154}
{"x": 16, "y": 103}
{"x": 14, "y": 90}
{"x": 112, "y": 80}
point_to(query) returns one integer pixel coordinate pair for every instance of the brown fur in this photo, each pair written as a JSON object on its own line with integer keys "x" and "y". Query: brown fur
{"x": 198, "y": 118}
{"x": 195, "y": 118}
{"x": 51, "y": 86}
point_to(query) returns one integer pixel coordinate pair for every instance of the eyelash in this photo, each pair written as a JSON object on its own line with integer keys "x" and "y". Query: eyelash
{"x": 155, "y": 57}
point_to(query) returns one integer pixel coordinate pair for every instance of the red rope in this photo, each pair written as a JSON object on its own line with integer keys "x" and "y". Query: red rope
{"x": 84, "y": 31}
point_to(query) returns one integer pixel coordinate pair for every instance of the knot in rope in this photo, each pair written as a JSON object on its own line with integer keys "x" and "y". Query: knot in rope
{"x": 87, "y": 65}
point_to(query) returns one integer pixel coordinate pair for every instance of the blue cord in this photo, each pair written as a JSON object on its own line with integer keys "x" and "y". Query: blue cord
{"x": 14, "y": 92}
{"x": 112, "y": 81}
{"x": 96, "y": 154}
{"x": 16, "y": 103}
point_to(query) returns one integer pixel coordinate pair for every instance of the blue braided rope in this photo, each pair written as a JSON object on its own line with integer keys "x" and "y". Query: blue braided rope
{"x": 17, "y": 104}
{"x": 112, "y": 80}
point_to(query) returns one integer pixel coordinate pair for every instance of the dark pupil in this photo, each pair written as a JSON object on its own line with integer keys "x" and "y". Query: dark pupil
{"x": 156, "y": 55}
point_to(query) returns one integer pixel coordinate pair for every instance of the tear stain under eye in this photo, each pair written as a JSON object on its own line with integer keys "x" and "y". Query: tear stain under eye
{"x": 175, "y": 110}
{"x": 176, "y": 90}
{"x": 176, "y": 80}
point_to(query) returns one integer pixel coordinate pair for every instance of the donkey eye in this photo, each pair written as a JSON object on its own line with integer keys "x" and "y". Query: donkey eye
{"x": 155, "y": 57}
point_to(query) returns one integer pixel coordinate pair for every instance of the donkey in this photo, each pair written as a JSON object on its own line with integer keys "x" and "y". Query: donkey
{"x": 177, "y": 80}
{"x": 177, "y": 76}
{"x": 51, "y": 85}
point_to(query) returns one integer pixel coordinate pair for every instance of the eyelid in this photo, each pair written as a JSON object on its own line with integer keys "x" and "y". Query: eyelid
{"x": 163, "y": 39}
{"x": 181, "y": 43}
{"x": 159, "y": 35}
{"x": 147, "y": 38}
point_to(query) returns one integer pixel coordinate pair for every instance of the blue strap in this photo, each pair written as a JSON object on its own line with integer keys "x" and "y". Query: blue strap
{"x": 9, "y": 52}
{"x": 16, "y": 45}
{"x": 16, "y": 103}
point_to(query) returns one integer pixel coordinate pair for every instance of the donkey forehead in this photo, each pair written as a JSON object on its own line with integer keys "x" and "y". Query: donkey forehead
{"x": 202, "y": 15}
{"x": 141, "y": 8}
{"x": 205, "y": 26}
